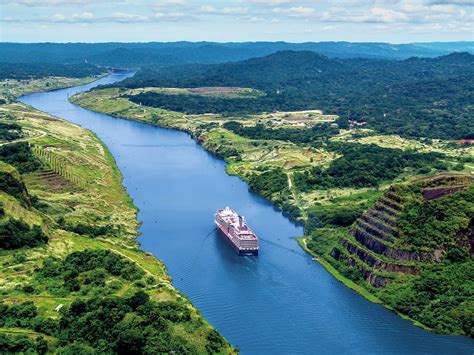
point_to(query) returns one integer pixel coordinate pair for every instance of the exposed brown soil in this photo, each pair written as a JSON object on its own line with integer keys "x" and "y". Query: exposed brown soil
{"x": 290, "y": 164}
{"x": 445, "y": 179}
{"x": 43, "y": 117}
{"x": 53, "y": 181}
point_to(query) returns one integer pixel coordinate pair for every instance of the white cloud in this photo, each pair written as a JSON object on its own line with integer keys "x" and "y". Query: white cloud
{"x": 86, "y": 16}
{"x": 209, "y": 9}
{"x": 170, "y": 16}
{"x": 57, "y": 18}
{"x": 125, "y": 17}
{"x": 170, "y": 4}
{"x": 378, "y": 14}
{"x": 297, "y": 11}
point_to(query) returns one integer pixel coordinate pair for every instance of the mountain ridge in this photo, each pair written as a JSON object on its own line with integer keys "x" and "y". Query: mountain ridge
{"x": 198, "y": 52}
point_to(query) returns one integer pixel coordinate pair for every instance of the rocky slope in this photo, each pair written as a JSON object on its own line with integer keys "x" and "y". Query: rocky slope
{"x": 416, "y": 232}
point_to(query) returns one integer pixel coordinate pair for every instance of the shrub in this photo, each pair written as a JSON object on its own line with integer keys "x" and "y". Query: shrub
{"x": 20, "y": 156}
{"x": 14, "y": 187}
{"x": 18, "y": 344}
{"x": 269, "y": 182}
{"x": 86, "y": 229}
{"x": 88, "y": 267}
{"x": 16, "y": 234}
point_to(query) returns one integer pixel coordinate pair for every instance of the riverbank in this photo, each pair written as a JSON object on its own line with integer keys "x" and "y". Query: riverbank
{"x": 73, "y": 192}
{"x": 337, "y": 275}
{"x": 354, "y": 286}
{"x": 12, "y": 89}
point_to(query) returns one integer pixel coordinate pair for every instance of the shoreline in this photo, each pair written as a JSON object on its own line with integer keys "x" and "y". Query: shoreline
{"x": 355, "y": 287}
{"x": 78, "y": 82}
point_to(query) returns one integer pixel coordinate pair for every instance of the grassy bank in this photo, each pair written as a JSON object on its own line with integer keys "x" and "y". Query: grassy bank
{"x": 347, "y": 282}
{"x": 11, "y": 89}
{"x": 73, "y": 192}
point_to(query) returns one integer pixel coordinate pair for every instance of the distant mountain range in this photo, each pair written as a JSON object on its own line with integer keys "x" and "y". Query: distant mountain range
{"x": 135, "y": 55}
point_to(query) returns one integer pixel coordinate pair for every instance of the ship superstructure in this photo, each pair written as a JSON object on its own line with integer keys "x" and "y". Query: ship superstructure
{"x": 236, "y": 231}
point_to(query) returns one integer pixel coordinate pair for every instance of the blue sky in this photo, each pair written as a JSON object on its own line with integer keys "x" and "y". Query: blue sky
{"x": 396, "y": 21}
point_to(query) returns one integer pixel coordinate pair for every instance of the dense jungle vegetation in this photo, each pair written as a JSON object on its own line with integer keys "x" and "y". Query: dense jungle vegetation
{"x": 441, "y": 296}
{"x": 15, "y": 234}
{"x": 269, "y": 182}
{"x": 440, "y": 219}
{"x": 104, "y": 323}
{"x": 10, "y": 131}
{"x": 416, "y": 97}
{"x": 295, "y": 135}
{"x": 12, "y": 185}
{"x": 20, "y": 156}
{"x": 365, "y": 166}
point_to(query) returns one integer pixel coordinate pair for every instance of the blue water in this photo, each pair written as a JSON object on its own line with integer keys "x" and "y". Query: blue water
{"x": 280, "y": 302}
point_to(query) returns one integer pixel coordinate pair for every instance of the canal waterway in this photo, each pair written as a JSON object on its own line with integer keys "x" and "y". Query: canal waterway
{"x": 280, "y": 302}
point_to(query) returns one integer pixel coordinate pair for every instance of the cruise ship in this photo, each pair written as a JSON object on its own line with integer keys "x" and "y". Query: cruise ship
{"x": 236, "y": 232}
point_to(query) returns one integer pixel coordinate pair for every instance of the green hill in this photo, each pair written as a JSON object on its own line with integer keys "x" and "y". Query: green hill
{"x": 414, "y": 250}
{"x": 416, "y": 97}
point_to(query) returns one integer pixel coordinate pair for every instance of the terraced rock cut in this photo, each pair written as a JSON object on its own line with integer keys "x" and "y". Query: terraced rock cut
{"x": 374, "y": 243}
{"x": 445, "y": 184}
{"x": 375, "y": 262}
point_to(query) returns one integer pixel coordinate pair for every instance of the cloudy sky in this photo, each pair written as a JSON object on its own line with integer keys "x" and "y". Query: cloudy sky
{"x": 397, "y": 21}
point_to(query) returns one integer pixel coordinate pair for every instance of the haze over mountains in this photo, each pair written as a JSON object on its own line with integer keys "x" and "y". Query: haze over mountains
{"x": 178, "y": 53}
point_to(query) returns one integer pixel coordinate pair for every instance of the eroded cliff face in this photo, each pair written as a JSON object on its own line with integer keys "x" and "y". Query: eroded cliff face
{"x": 369, "y": 276}
{"x": 375, "y": 262}
{"x": 379, "y": 247}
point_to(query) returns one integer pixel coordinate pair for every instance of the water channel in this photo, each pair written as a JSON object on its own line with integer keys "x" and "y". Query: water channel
{"x": 280, "y": 302}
